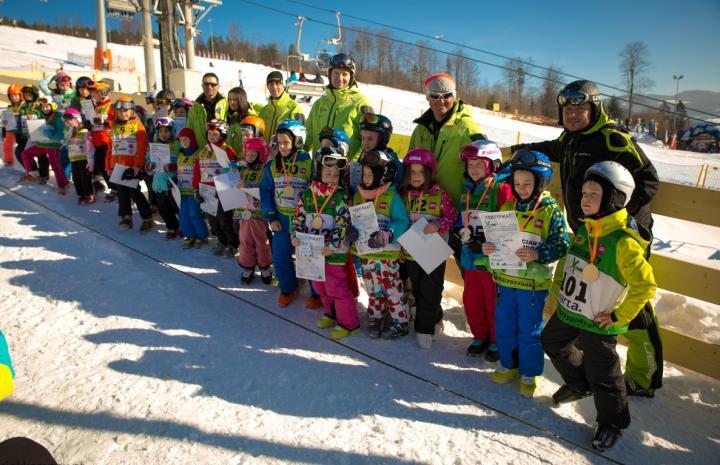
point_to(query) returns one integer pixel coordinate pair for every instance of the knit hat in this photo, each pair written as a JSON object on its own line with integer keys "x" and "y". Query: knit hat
{"x": 274, "y": 76}
{"x": 440, "y": 83}
{"x": 190, "y": 134}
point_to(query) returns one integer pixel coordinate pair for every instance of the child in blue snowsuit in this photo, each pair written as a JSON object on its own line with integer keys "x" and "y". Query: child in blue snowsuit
{"x": 285, "y": 179}
{"x": 522, "y": 292}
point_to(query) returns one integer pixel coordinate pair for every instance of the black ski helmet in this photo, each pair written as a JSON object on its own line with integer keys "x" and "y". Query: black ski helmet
{"x": 584, "y": 91}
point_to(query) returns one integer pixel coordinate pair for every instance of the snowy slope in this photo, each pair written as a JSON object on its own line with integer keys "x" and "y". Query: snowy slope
{"x": 131, "y": 350}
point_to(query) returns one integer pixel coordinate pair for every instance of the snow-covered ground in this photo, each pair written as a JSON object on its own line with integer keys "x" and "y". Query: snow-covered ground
{"x": 130, "y": 350}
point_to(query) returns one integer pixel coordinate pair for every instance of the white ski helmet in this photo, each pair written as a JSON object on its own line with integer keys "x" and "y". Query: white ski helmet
{"x": 617, "y": 175}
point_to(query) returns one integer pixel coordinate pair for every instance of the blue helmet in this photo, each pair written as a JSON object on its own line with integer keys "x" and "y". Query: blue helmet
{"x": 338, "y": 137}
{"x": 295, "y": 130}
{"x": 537, "y": 163}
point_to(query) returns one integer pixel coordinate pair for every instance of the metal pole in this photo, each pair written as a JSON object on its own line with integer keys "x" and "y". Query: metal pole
{"x": 150, "y": 80}
{"x": 101, "y": 30}
{"x": 189, "y": 35}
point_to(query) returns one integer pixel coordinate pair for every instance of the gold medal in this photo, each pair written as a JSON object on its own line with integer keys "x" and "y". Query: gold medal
{"x": 590, "y": 273}
{"x": 289, "y": 192}
{"x": 465, "y": 234}
{"x": 317, "y": 222}
{"x": 246, "y": 214}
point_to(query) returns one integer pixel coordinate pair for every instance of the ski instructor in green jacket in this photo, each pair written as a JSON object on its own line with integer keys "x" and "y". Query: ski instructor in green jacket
{"x": 341, "y": 107}
{"x": 211, "y": 104}
{"x": 279, "y": 107}
{"x": 444, "y": 129}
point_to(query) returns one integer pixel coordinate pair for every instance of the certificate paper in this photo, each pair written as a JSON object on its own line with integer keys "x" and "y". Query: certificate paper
{"x": 159, "y": 155}
{"x": 9, "y": 121}
{"x": 501, "y": 228}
{"x": 38, "y": 130}
{"x": 116, "y": 177}
{"x": 210, "y": 202}
{"x": 428, "y": 250}
{"x": 309, "y": 260}
{"x": 364, "y": 219}
{"x": 230, "y": 196}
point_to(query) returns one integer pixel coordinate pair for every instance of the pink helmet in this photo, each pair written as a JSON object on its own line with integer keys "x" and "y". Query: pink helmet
{"x": 423, "y": 157}
{"x": 485, "y": 150}
{"x": 259, "y": 145}
{"x": 72, "y": 113}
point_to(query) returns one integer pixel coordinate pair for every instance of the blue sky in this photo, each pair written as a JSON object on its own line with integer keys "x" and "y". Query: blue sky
{"x": 682, "y": 37}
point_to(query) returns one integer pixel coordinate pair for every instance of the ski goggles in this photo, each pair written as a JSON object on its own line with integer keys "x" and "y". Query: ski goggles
{"x": 523, "y": 157}
{"x": 444, "y": 96}
{"x": 163, "y": 101}
{"x": 472, "y": 152}
{"x": 333, "y": 161}
{"x": 214, "y": 127}
{"x": 178, "y": 102}
{"x": 575, "y": 97}
{"x": 248, "y": 127}
{"x": 375, "y": 120}
{"x": 84, "y": 83}
{"x": 125, "y": 105}
{"x": 342, "y": 60}
{"x": 164, "y": 122}
{"x": 374, "y": 158}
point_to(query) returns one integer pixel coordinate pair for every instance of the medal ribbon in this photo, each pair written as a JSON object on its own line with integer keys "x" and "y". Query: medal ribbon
{"x": 532, "y": 213}
{"x": 482, "y": 199}
{"x": 594, "y": 247}
{"x": 292, "y": 168}
{"x": 327, "y": 199}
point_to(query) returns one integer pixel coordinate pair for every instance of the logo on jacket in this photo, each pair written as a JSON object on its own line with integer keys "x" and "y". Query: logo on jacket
{"x": 538, "y": 223}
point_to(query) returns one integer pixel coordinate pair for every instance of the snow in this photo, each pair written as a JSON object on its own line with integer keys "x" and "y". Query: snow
{"x": 129, "y": 349}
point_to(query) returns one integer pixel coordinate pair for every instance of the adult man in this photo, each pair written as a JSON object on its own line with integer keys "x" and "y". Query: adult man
{"x": 211, "y": 104}
{"x": 280, "y": 107}
{"x": 341, "y": 106}
{"x": 444, "y": 129}
{"x": 590, "y": 136}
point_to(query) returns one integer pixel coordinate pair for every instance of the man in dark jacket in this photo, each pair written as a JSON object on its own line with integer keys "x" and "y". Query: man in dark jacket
{"x": 590, "y": 136}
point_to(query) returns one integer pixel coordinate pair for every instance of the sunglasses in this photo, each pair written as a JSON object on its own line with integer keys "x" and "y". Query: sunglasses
{"x": 524, "y": 157}
{"x": 445, "y": 96}
{"x": 575, "y": 97}
{"x": 211, "y": 84}
{"x": 125, "y": 105}
{"x": 374, "y": 158}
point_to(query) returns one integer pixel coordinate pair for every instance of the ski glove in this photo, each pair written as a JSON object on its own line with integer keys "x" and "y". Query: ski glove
{"x": 454, "y": 240}
{"x": 198, "y": 197}
{"x": 379, "y": 239}
{"x": 475, "y": 245}
{"x": 351, "y": 234}
{"x": 128, "y": 174}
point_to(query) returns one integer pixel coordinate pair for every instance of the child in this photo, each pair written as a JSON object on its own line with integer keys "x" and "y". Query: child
{"x": 206, "y": 168}
{"x": 254, "y": 247}
{"x": 252, "y": 126}
{"x": 323, "y": 209}
{"x": 605, "y": 283}
{"x": 191, "y": 221}
{"x": 128, "y": 148}
{"x": 425, "y": 199}
{"x": 479, "y": 194}
{"x": 29, "y": 109}
{"x": 164, "y": 128}
{"x": 181, "y": 107}
{"x": 375, "y": 132}
{"x": 101, "y": 136}
{"x": 522, "y": 293}
{"x": 55, "y": 134}
{"x": 81, "y": 151}
{"x": 14, "y": 95}
{"x": 381, "y": 268}
{"x": 284, "y": 180}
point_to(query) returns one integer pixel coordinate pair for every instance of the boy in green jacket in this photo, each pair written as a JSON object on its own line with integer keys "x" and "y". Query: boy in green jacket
{"x": 605, "y": 282}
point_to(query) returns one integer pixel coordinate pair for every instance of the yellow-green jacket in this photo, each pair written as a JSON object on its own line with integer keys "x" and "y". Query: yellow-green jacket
{"x": 446, "y": 145}
{"x": 197, "y": 117}
{"x": 625, "y": 279}
{"x": 278, "y": 110}
{"x": 339, "y": 109}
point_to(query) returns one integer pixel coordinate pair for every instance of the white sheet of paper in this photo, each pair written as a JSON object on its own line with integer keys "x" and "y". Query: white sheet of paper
{"x": 159, "y": 154}
{"x": 364, "y": 218}
{"x": 252, "y": 192}
{"x": 309, "y": 260}
{"x": 230, "y": 196}
{"x": 180, "y": 124}
{"x": 9, "y": 121}
{"x": 210, "y": 202}
{"x": 116, "y": 177}
{"x": 88, "y": 109}
{"x": 501, "y": 228}
{"x": 428, "y": 250}
{"x": 175, "y": 192}
{"x": 221, "y": 156}
{"x": 38, "y": 129}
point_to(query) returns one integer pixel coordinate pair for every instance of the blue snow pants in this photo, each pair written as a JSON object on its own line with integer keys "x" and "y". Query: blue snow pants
{"x": 192, "y": 223}
{"x": 282, "y": 254}
{"x": 518, "y": 324}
